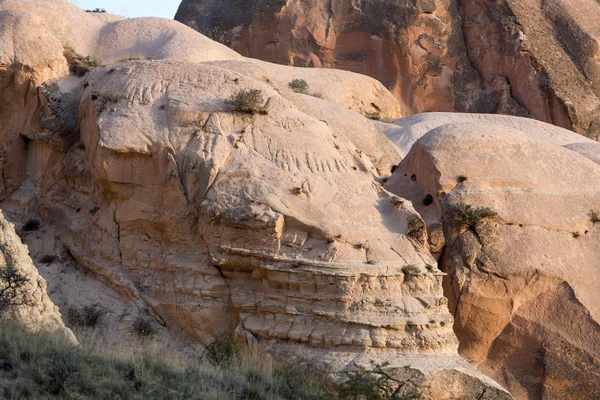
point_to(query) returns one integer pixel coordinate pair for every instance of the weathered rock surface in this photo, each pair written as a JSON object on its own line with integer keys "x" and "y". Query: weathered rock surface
{"x": 510, "y": 57}
{"x": 33, "y": 308}
{"x": 215, "y": 219}
{"x": 522, "y": 283}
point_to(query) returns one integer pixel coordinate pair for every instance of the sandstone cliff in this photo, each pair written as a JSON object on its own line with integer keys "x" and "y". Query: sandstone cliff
{"x": 274, "y": 224}
{"x": 514, "y": 57}
{"x": 514, "y": 214}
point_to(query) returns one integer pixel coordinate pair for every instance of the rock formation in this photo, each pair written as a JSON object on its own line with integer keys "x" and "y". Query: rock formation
{"x": 29, "y": 303}
{"x": 514, "y": 211}
{"x": 274, "y": 224}
{"x": 514, "y": 57}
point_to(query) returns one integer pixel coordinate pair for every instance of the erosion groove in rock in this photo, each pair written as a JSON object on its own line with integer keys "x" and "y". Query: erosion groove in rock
{"x": 521, "y": 58}
{"x": 522, "y": 278}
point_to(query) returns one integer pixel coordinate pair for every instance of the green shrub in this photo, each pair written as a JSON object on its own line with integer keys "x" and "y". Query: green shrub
{"x": 461, "y": 179}
{"x": 12, "y": 290}
{"x": 576, "y": 235}
{"x": 466, "y": 215}
{"x": 299, "y": 86}
{"x": 411, "y": 270}
{"x": 88, "y": 316}
{"x": 144, "y": 326}
{"x": 78, "y": 64}
{"x": 222, "y": 350}
{"x": 248, "y": 101}
{"x": 595, "y": 217}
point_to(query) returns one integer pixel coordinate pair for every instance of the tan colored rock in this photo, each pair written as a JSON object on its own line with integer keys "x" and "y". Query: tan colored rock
{"x": 404, "y": 132}
{"x": 35, "y": 310}
{"x": 275, "y": 225}
{"x": 522, "y": 58}
{"x": 522, "y": 285}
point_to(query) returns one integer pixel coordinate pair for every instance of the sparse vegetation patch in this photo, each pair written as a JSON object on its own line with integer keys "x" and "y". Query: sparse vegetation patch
{"x": 594, "y": 217}
{"x": 469, "y": 216}
{"x": 299, "y": 86}
{"x": 78, "y": 64}
{"x": 248, "y": 101}
{"x": 12, "y": 288}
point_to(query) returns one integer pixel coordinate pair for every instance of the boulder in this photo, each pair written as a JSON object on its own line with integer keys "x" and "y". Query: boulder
{"x": 520, "y": 244}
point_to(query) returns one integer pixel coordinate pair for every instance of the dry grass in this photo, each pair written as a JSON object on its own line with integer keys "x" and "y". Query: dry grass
{"x": 78, "y": 64}
{"x": 42, "y": 366}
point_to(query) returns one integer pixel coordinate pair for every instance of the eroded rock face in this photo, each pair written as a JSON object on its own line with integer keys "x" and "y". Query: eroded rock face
{"x": 522, "y": 280}
{"x": 32, "y": 307}
{"x": 275, "y": 225}
{"x": 510, "y": 57}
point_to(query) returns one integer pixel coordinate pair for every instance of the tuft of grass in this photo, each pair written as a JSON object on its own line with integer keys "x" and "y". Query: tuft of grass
{"x": 144, "y": 326}
{"x": 428, "y": 200}
{"x": 78, "y": 64}
{"x": 594, "y": 217}
{"x": 88, "y": 316}
{"x": 376, "y": 116}
{"x": 461, "y": 179}
{"x": 469, "y": 216}
{"x": 248, "y": 101}
{"x": 223, "y": 350}
{"x": 430, "y": 267}
{"x": 576, "y": 235}
{"x": 299, "y": 86}
{"x": 411, "y": 270}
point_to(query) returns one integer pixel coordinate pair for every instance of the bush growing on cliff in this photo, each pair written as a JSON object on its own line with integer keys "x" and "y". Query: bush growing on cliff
{"x": 78, "y": 64}
{"x": 594, "y": 217}
{"x": 469, "y": 216}
{"x": 12, "y": 291}
{"x": 248, "y": 101}
{"x": 88, "y": 316}
{"x": 299, "y": 86}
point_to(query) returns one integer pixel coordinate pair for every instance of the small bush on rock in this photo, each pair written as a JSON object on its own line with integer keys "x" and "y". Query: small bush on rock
{"x": 595, "y": 217}
{"x": 248, "y": 101}
{"x": 144, "y": 326}
{"x": 12, "y": 290}
{"x": 299, "y": 86}
{"x": 222, "y": 350}
{"x": 411, "y": 270}
{"x": 466, "y": 215}
{"x": 78, "y": 64}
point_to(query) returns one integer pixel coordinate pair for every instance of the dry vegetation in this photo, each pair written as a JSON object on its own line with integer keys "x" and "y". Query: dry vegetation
{"x": 42, "y": 366}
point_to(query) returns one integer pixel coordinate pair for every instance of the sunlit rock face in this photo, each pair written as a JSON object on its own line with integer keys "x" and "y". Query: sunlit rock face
{"x": 514, "y": 57}
{"x": 523, "y": 274}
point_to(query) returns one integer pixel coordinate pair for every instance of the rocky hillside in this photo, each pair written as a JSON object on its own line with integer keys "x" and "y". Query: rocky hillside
{"x": 294, "y": 209}
{"x": 514, "y": 57}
